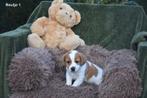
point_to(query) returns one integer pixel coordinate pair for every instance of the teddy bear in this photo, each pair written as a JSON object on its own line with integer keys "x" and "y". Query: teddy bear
{"x": 55, "y": 31}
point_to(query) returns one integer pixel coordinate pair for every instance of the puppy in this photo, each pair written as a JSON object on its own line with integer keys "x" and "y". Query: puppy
{"x": 80, "y": 69}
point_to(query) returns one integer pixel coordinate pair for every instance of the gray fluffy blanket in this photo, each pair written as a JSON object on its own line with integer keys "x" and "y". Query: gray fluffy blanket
{"x": 39, "y": 73}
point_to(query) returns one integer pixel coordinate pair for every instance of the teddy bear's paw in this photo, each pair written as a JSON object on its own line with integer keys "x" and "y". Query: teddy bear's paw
{"x": 82, "y": 43}
{"x": 35, "y": 41}
{"x": 78, "y": 40}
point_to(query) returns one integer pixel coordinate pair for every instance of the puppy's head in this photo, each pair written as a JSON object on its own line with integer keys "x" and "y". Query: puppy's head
{"x": 74, "y": 60}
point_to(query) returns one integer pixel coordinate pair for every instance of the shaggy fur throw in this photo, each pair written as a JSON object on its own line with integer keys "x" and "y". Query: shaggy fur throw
{"x": 39, "y": 73}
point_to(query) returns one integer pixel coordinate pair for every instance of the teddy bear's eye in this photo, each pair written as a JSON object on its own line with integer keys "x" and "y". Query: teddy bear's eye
{"x": 61, "y": 8}
{"x": 70, "y": 16}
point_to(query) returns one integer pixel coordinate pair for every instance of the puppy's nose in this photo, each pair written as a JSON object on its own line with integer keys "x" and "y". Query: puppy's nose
{"x": 73, "y": 69}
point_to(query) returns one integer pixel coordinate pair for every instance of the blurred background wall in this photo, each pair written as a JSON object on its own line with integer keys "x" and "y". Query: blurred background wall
{"x": 14, "y": 13}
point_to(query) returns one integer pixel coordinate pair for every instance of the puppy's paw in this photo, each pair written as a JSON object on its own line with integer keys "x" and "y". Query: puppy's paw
{"x": 75, "y": 85}
{"x": 68, "y": 84}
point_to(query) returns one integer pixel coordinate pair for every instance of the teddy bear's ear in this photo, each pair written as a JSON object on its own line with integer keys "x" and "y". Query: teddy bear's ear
{"x": 57, "y": 1}
{"x": 78, "y": 17}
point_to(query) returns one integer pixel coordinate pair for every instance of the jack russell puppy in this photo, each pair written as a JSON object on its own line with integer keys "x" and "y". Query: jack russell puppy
{"x": 80, "y": 70}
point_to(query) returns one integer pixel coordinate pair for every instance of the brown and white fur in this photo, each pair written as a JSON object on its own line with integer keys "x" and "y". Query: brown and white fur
{"x": 80, "y": 69}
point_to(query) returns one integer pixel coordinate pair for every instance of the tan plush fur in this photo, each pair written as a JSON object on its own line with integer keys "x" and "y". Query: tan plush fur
{"x": 55, "y": 31}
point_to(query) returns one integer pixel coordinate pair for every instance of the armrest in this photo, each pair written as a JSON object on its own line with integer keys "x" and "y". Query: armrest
{"x": 24, "y": 29}
{"x": 142, "y": 62}
{"x": 139, "y": 43}
{"x": 10, "y": 43}
{"x": 137, "y": 38}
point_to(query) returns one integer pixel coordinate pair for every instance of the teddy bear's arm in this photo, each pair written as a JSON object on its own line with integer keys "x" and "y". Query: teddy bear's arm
{"x": 38, "y": 26}
{"x": 35, "y": 41}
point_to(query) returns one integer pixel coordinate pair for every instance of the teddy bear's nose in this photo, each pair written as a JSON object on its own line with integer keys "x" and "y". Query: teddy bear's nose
{"x": 66, "y": 13}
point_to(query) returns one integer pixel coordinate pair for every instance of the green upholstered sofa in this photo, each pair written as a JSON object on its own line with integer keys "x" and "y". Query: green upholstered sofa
{"x": 111, "y": 26}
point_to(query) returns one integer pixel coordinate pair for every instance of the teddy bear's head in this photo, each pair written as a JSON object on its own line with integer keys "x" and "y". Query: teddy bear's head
{"x": 64, "y": 14}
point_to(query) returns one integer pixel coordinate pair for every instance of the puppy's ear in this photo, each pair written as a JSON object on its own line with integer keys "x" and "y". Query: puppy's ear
{"x": 57, "y": 1}
{"x": 78, "y": 17}
{"x": 64, "y": 58}
{"x": 82, "y": 57}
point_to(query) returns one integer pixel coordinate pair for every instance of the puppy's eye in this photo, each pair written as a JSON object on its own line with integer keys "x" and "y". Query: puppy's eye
{"x": 77, "y": 61}
{"x": 61, "y": 8}
{"x": 68, "y": 62}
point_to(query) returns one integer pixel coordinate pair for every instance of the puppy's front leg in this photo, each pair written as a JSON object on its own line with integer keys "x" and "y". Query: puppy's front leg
{"x": 68, "y": 80}
{"x": 78, "y": 82}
